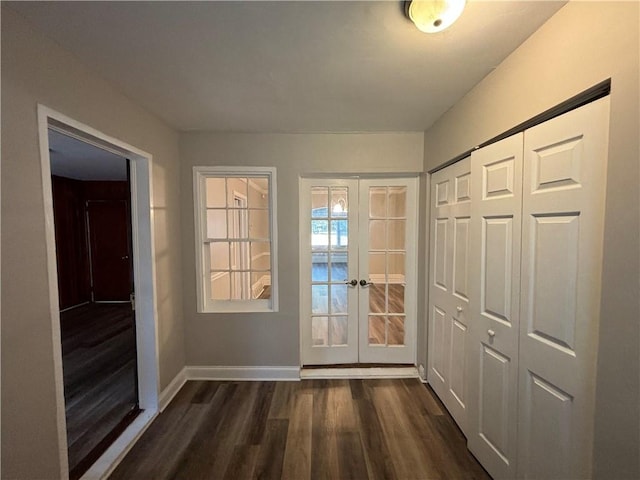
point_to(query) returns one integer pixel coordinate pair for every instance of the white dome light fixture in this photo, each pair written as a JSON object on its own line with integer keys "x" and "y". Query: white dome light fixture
{"x": 431, "y": 16}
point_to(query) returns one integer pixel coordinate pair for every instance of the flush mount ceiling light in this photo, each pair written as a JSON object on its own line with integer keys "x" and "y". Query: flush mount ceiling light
{"x": 431, "y": 16}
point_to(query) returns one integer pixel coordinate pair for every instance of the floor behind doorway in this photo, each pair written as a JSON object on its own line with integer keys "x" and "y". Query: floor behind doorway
{"x": 98, "y": 344}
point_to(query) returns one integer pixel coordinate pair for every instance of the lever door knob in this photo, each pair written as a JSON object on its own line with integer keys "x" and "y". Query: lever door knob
{"x": 353, "y": 282}
{"x": 364, "y": 283}
{"x": 491, "y": 333}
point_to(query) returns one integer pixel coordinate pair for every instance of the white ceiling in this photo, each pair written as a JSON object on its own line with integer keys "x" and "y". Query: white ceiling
{"x": 306, "y": 66}
{"x": 73, "y": 158}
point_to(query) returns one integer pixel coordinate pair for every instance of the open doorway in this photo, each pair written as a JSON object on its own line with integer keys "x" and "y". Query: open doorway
{"x": 92, "y": 215}
{"x": 139, "y": 237}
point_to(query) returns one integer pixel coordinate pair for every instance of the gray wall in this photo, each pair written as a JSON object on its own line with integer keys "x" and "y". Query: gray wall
{"x": 583, "y": 44}
{"x": 272, "y": 339}
{"x": 35, "y": 70}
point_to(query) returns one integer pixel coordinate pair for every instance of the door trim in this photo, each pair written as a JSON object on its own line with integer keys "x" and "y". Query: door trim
{"x": 143, "y": 261}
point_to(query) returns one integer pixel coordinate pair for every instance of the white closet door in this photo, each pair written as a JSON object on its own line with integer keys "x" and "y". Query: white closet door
{"x": 496, "y": 192}
{"x": 563, "y": 220}
{"x": 449, "y": 286}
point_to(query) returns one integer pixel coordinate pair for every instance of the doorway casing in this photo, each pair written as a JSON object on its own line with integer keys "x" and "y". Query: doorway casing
{"x": 143, "y": 270}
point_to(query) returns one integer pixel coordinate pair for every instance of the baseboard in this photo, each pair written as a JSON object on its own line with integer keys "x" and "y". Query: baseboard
{"x": 243, "y": 373}
{"x": 359, "y": 373}
{"x": 170, "y": 391}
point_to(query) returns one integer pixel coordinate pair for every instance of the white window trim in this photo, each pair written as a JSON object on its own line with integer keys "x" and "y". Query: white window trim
{"x": 204, "y": 303}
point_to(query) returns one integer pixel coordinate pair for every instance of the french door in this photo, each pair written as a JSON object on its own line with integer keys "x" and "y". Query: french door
{"x": 358, "y": 270}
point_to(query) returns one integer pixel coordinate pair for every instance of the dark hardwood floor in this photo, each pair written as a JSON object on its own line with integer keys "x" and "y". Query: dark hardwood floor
{"x": 100, "y": 387}
{"x": 320, "y": 429}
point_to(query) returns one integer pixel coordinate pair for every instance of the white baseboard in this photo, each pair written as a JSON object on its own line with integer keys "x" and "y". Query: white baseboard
{"x": 170, "y": 391}
{"x": 242, "y": 373}
{"x": 359, "y": 373}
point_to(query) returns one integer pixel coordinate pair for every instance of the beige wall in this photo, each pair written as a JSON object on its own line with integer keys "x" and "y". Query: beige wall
{"x": 583, "y": 44}
{"x": 35, "y": 70}
{"x": 272, "y": 339}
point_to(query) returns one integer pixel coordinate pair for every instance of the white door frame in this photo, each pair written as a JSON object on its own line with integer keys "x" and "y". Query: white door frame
{"x": 143, "y": 261}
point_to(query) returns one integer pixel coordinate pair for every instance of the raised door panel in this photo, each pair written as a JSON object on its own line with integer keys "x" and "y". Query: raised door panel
{"x": 494, "y": 293}
{"x": 563, "y": 223}
{"x": 496, "y": 393}
{"x": 547, "y": 433}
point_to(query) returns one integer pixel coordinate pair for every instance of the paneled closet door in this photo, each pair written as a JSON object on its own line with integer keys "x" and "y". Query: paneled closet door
{"x": 449, "y": 286}
{"x": 563, "y": 224}
{"x": 496, "y": 192}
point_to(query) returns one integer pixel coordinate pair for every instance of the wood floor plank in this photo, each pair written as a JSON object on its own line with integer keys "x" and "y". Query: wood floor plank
{"x": 312, "y": 429}
{"x": 297, "y": 455}
{"x": 242, "y": 463}
{"x": 269, "y": 464}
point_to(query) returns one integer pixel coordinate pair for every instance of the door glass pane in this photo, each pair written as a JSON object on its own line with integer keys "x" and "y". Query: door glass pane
{"x": 319, "y": 271}
{"x": 378, "y": 202}
{"x": 378, "y": 234}
{"x": 320, "y": 331}
{"x": 377, "y": 330}
{"x": 319, "y": 299}
{"x": 338, "y": 299}
{"x": 396, "y": 238}
{"x": 319, "y": 234}
{"x": 395, "y": 330}
{"x": 397, "y": 267}
{"x": 339, "y": 234}
{"x": 339, "y": 270}
{"x": 339, "y": 206}
{"x": 319, "y": 202}
{"x": 377, "y": 298}
{"x": 377, "y": 265}
{"x": 396, "y": 298}
{"x": 397, "y": 202}
{"x": 338, "y": 331}
{"x": 216, "y": 224}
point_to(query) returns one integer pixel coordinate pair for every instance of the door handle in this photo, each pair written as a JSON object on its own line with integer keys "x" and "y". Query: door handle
{"x": 364, "y": 283}
{"x": 491, "y": 333}
{"x": 353, "y": 282}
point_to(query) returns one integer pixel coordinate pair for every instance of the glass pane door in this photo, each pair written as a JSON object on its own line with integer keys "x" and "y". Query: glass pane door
{"x": 387, "y": 266}
{"x": 358, "y": 264}
{"x": 329, "y": 264}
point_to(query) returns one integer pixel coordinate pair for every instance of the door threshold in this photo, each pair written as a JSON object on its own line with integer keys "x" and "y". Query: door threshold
{"x": 358, "y": 372}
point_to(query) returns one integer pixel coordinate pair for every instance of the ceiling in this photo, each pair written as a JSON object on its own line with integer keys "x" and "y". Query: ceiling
{"x": 305, "y": 66}
{"x": 73, "y": 158}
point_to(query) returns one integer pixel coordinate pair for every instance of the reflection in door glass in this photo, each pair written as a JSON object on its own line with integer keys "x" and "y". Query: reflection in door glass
{"x": 387, "y": 256}
{"x": 377, "y": 330}
{"x": 338, "y": 331}
{"x": 329, "y": 265}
